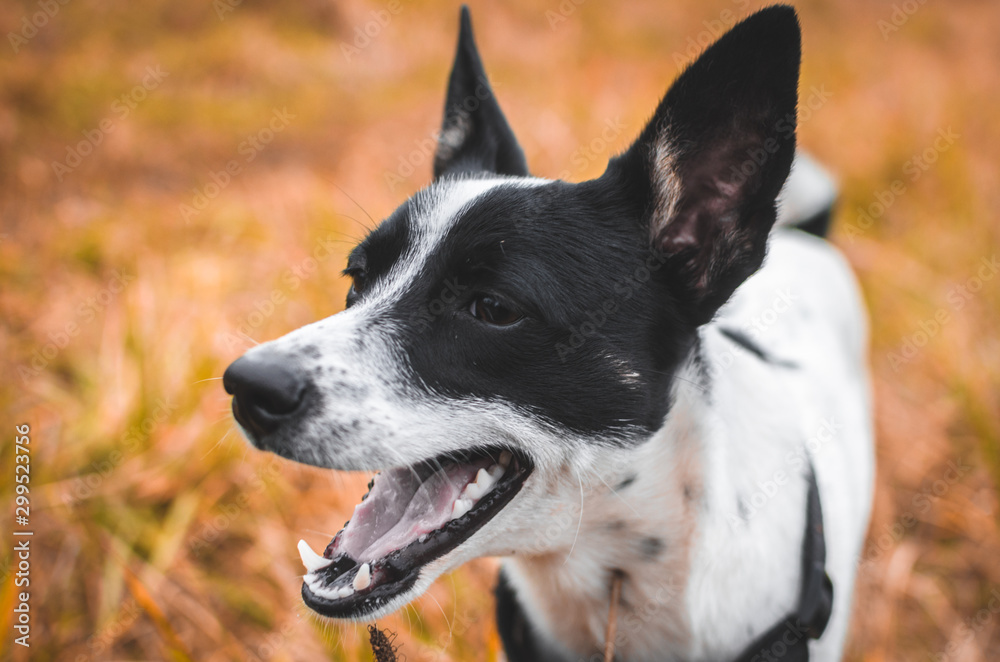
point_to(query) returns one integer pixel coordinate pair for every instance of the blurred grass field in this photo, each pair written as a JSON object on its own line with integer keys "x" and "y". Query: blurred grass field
{"x": 178, "y": 181}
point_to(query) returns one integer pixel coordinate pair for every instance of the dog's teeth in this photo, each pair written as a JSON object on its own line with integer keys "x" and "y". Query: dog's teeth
{"x": 345, "y": 592}
{"x": 363, "y": 579}
{"x": 505, "y": 458}
{"x": 495, "y": 472}
{"x": 310, "y": 559}
{"x": 475, "y": 490}
{"x": 461, "y": 507}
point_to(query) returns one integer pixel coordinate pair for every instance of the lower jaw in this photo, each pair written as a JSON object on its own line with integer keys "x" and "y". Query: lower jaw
{"x": 396, "y": 578}
{"x": 364, "y": 608}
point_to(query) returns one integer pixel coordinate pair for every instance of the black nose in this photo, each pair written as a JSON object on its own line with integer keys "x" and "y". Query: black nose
{"x": 267, "y": 391}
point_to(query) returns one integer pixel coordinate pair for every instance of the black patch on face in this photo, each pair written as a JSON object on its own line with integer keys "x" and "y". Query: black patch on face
{"x": 651, "y": 547}
{"x": 600, "y": 337}
{"x": 381, "y": 249}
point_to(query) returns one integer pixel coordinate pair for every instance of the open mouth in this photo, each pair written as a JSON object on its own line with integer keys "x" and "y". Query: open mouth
{"x": 411, "y": 516}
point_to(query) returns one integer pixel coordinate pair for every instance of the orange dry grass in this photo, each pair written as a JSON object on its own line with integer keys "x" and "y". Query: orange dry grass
{"x": 159, "y": 535}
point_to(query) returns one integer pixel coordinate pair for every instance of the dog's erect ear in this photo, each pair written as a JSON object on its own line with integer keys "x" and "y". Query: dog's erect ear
{"x": 475, "y": 136}
{"x": 714, "y": 157}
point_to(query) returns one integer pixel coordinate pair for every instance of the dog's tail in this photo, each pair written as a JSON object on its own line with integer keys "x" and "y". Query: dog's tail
{"x": 807, "y": 200}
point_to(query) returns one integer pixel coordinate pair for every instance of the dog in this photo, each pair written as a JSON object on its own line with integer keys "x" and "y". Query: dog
{"x": 648, "y": 391}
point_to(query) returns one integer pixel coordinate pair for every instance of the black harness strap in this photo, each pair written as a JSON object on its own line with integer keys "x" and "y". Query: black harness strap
{"x": 787, "y": 641}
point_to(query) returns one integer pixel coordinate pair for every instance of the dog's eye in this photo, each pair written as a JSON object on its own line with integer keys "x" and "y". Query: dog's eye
{"x": 489, "y": 309}
{"x": 357, "y": 285}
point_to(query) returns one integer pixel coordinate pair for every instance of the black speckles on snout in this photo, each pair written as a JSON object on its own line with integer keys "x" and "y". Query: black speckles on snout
{"x": 344, "y": 391}
{"x": 651, "y": 547}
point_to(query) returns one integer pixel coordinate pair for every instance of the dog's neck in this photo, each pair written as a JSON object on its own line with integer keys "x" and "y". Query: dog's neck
{"x": 670, "y": 522}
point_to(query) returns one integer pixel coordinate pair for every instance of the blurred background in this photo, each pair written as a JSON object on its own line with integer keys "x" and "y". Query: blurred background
{"x": 181, "y": 179}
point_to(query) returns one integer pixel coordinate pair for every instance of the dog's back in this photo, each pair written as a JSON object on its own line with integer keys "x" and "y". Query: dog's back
{"x": 791, "y": 347}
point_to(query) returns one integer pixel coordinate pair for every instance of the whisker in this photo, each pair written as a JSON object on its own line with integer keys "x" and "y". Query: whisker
{"x": 365, "y": 211}
{"x": 217, "y": 444}
{"x": 322, "y": 533}
{"x": 579, "y": 523}
{"x": 450, "y": 626}
{"x": 623, "y": 499}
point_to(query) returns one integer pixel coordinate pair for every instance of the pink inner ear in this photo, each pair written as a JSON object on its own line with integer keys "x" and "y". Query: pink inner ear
{"x": 709, "y": 195}
{"x": 710, "y": 226}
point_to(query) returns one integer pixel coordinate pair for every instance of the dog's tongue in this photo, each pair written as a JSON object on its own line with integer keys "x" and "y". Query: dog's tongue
{"x": 401, "y": 507}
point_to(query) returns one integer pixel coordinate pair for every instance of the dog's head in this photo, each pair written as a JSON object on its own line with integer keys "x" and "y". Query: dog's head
{"x": 503, "y": 331}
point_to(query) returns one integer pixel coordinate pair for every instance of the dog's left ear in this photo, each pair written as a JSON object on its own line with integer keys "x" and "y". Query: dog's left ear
{"x": 711, "y": 162}
{"x": 475, "y": 136}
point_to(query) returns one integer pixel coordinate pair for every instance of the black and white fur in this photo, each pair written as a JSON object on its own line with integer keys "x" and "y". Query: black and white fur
{"x": 670, "y": 390}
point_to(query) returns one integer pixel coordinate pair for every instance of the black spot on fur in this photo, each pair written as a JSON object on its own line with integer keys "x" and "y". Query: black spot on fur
{"x": 651, "y": 547}
{"x": 625, "y": 483}
{"x": 750, "y": 345}
{"x": 741, "y": 508}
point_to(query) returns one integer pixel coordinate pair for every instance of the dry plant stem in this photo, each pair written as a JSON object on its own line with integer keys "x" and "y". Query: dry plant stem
{"x": 609, "y": 636}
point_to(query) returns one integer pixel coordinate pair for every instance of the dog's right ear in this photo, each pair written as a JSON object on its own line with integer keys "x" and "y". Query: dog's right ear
{"x": 711, "y": 162}
{"x": 475, "y": 136}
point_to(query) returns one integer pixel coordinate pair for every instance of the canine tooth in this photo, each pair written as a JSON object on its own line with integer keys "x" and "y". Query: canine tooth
{"x": 461, "y": 507}
{"x": 310, "y": 559}
{"x": 505, "y": 458}
{"x": 363, "y": 579}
